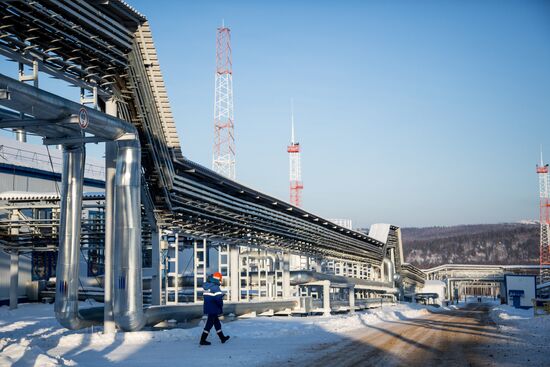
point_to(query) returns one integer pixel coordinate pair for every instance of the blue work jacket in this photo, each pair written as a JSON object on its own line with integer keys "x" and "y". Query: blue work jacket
{"x": 213, "y": 297}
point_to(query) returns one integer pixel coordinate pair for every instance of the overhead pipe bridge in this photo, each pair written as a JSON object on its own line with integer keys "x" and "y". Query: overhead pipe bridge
{"x": 106, "y": 49}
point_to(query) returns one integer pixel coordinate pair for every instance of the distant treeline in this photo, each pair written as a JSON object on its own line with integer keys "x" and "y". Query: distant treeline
{"x": 506, "y": 243}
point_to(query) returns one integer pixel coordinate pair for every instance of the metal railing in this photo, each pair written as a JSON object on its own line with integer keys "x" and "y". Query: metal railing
{"x": 41, "y": 161}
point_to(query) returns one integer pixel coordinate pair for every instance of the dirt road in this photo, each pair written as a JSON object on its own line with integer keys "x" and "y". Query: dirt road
{"x": 464, "y": 337}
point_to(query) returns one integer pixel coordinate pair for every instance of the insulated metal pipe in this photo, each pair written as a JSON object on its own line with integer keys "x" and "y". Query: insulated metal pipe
{"x": 389, "y": 270}
{"x": 298, "y": 277}
{"x": 14, "y": 279}
{"x": 128, "y": 295}
{"x": 20, "y": 136}
{"x": 67, "y": 272}
{"x": 31, "y": 100}
{"x": 110, "y": 173}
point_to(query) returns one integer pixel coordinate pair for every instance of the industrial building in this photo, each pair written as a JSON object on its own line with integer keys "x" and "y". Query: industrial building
{"x": 463, "y": 280}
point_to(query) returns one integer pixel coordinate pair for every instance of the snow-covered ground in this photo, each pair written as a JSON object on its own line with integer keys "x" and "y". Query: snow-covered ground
{"x": 463, "y": 302}
{"x": 30, "y": 336}
{"x": 517, "y": 320}
{"x": 529, "y": 336}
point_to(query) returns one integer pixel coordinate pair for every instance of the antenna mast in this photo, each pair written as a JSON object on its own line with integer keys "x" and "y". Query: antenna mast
{"x": 544, "y": 195}
{"x": 223, "y": 161}
{"x": 293, "y": 151}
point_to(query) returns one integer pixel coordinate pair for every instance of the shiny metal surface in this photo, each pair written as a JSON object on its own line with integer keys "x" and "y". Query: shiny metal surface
{"x": 305, "y": 276}
{"x": 67, "y": 272}
{"x": 45, "y": 106}
{"x": 20, "y": 136}
{"x": 128, "y": 295}
{"x": 388, "y": 270}
{"x": 185, "y": 312}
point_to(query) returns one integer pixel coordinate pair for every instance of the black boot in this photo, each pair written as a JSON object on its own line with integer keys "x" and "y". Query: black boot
{"x": 203, "y": 338}
{"x": 223, "y": 338}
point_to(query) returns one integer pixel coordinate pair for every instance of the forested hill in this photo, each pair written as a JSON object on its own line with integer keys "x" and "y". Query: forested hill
{"x": 506, "y": 243}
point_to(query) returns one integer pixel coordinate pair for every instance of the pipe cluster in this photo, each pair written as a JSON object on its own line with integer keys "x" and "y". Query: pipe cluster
{"x": 127, "y": 300}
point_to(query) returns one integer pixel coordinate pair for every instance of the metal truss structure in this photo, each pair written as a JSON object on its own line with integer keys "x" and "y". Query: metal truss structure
{"x": 544, "y": 197}
{"x": 295, "y": 165}
{"x": 223, "y": 161}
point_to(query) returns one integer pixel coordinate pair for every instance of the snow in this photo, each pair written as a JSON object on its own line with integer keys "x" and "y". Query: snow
{"x": 529, "y": 335}
{"x": 510, "y": 318}
{"x": 505, "y": 312}
{"x": 30, "y": 336}
{"x": 463, "y": 302}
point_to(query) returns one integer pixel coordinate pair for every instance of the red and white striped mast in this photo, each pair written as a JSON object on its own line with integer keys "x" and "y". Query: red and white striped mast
{"x": 296, "y": 185}
{"x": 223, "y": 161}
{"x": 544, "y": 195}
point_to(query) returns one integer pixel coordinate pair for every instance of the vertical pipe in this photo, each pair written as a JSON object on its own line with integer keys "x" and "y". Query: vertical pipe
{"x": 351, "y": 299}
{"x": 109, "y": 326}
{"x": 67, "y": 276}
{"x": 110, "y": 169}
{"x": 128, "y": 296}
{"x": 14, "y": 278}
{"x": 326, "y": 297}
{"x": 20, "y": 135}
{"x": 234, "y": 272}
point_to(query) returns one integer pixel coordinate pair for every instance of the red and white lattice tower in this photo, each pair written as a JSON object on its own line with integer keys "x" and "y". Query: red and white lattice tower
{"x": 544, "y": 190}
{"x": 223, "y": 161}
{"x": 296, "y": 184}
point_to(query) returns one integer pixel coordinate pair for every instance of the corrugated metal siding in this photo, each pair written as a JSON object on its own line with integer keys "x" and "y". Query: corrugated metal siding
{"x": 11, "y": 182}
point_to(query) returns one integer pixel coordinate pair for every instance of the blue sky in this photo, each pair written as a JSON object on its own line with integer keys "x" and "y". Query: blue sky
{"x": 414, "y": 113}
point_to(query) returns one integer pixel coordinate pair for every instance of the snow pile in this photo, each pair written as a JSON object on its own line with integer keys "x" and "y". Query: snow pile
{"x": 506, "y": 312}
{"x": 510, "y": 318}
{"x": 31, "y": 336}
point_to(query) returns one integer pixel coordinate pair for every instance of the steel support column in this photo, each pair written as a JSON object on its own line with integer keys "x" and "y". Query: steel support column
{"x": 286, "y": 275}
{"x": 156, "y": 279}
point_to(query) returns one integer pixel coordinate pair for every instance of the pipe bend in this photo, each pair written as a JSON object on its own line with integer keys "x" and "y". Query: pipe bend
{"x": 390, "y": 270}
{"x": 130, "y": 320}
{"x": 71, "y": 319}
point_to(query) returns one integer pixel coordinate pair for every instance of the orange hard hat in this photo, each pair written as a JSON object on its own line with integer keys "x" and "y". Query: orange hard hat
{"x": 217, "y": 275}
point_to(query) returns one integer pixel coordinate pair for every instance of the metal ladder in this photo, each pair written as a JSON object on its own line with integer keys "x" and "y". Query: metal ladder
{"x": 262, "y": 274}
{"x": 172, "y": 269}
{"x": 244, "y": 275}
{"x": 199, "y": 264}
{"x": 223, "y": 265}
{"x": 278, "y": 281}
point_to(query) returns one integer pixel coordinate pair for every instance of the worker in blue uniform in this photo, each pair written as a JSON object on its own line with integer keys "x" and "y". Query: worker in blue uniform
{"x": 213, "y": 306}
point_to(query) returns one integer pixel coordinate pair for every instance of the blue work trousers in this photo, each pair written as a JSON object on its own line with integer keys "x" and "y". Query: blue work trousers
{"x": 213, "y": 320}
